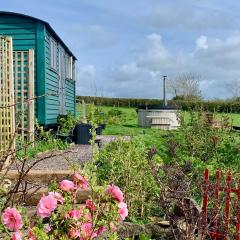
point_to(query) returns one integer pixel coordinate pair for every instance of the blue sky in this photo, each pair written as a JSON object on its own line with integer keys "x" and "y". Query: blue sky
{"x": 124, "y": 47}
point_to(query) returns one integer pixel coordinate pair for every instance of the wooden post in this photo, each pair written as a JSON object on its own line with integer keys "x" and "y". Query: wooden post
{"x": 227, "y": 207}
{"x": 205, "y": 203}
{"x": 7, "y": 113}
{"x": 31, "y": 96}
{"x": 238, "y": 212}
{"x": 217, "y": 186}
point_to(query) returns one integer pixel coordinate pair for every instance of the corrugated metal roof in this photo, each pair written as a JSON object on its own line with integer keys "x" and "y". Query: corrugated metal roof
{"x": 48, "y": 26}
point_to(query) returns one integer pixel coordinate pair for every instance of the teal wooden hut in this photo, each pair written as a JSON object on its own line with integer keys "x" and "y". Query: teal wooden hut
{"x": 54, "y": 64}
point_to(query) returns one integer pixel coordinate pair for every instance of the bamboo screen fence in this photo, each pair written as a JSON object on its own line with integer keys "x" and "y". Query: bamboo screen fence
{"x": 16, "y": 95}
{"x": 7, "y": 113}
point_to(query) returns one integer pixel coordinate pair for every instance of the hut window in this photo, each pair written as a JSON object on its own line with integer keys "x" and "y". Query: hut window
{"x": 74, "y": 70}
{"x": 53, "y": 53}
{"x": 69, "y": 68}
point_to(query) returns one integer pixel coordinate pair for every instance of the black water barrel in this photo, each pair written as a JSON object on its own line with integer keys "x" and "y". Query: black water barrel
{"x": 82, "y": 133}
{"x": 102, "y": 125}
{"x": 99, "y": 130}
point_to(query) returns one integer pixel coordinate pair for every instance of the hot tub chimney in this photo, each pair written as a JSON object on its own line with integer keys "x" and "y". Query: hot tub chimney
{"x": 164, "y": 91}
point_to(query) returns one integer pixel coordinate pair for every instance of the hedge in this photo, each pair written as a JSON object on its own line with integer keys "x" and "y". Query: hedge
{"x": 226, "y": 106}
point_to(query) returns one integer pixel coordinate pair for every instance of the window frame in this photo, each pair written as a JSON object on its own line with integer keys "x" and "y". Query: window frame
{"x": 69, "y": 66}
{"x": 53, "y": 54}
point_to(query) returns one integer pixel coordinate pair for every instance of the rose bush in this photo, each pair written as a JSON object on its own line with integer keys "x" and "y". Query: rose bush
{"x": 59, "y": 217}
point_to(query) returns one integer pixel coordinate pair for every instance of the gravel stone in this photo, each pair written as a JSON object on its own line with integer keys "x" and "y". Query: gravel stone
{"x": 76, "y": 154}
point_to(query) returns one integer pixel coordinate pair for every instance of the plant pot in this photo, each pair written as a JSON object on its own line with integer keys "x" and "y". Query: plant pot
{"x": 82, "y": 134}
{"x": 103, "y": 125}
{"x": 68, "y": 138}
{"x": 99, "y": 130}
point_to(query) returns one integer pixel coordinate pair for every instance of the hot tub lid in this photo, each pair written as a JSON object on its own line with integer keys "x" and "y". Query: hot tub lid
{"x": 158, "y": 107}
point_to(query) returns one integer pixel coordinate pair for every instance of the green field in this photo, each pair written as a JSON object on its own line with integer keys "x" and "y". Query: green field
{"x": 129, "y": 125}
{"x": 159, "y": 138}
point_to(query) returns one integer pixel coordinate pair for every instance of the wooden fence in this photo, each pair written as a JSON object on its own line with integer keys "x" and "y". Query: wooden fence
{"x": 7, "y": 113}
{"x": 16, "y": 95}
{"x": 222, "y": 196}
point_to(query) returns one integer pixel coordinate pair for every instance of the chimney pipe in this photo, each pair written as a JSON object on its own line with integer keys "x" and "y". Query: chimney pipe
{"x": 164, "y": 91}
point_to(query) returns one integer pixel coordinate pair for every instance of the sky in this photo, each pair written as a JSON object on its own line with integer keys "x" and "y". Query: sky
{"x": 124, "y": 47}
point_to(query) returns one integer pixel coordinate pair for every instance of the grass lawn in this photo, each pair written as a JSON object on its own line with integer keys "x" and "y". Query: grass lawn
{"x": 150, "y": 137}
{"x": 129, "y": 125}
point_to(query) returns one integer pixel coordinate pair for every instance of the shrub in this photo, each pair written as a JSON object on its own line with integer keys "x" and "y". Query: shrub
{"x": 58, "y": 217}
{"x": 66, "y": 122}
{"x": 204, "y": 145}
{"x": 227, "y": 106}
{"x": 125, "y": 164}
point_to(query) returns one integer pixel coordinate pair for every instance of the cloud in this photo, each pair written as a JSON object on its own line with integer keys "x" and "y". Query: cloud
{"x": 215, "y": 60}
{"x": 188, "y": 15}
{"x": 86, "y": 80}
{"x": 92, "y": 36}
{"x": 201, "y": 42}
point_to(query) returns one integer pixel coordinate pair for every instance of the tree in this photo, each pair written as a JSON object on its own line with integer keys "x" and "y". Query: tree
{"x": 185, "y": 86}
{"x": 234, "y": 88}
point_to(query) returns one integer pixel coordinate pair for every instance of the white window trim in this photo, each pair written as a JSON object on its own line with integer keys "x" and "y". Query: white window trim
{"x": 53, "y": 53}
{"x": 69, "y": 67}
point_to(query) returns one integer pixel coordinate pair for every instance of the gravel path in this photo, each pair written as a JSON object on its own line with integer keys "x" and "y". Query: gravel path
{"x": 62, "y": 160}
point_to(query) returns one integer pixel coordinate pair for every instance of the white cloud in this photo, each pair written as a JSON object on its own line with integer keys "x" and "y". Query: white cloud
{"x": 215, "y": 60}
{"x": 92, "y": 36}
{"x": 201, "y": 42}
{"x": 86, "y": 80}
{"x": 188, "y": 15}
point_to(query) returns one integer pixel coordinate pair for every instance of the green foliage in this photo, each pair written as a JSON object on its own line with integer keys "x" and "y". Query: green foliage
{"x": 223, "y": 106}
{"x": 115, "y": 112}
{"x": 97, "y": 115}
{"x": 125, "y": 164}
{"x": 115, "y": 116}
{"x": 205, "y": 146}
{"x": 144, "y": 236}
{"x": 45, "y": 141}
{"x": 66, "y": 122}
{"x": 64, "y": 219}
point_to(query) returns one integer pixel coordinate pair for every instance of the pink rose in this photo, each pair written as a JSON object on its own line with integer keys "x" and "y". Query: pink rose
{"x": 16, "y": 236}
{"x": 87, "y": 217}
{"x": 86, "y": 231}
{"x": 57, "y": 196}
{"x": 113, "y": 227}
{"x": 75, "y": 214}
{"x": 31, "y": 235}
{"x": 67, "y": 185}
{"x": 90, "y": 205}
{"x": 115, "y": 192}
{"x": 46, "y": 206}
{"x": 123, "y": 211}
{"x": 99, "y": 231}
{"x": 47, "y": 228}
{"x": 80, "y": 181}
{"x": 12, "y": 219}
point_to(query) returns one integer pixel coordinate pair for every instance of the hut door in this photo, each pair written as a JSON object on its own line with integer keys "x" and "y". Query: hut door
{"x": 62, "y": 77}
